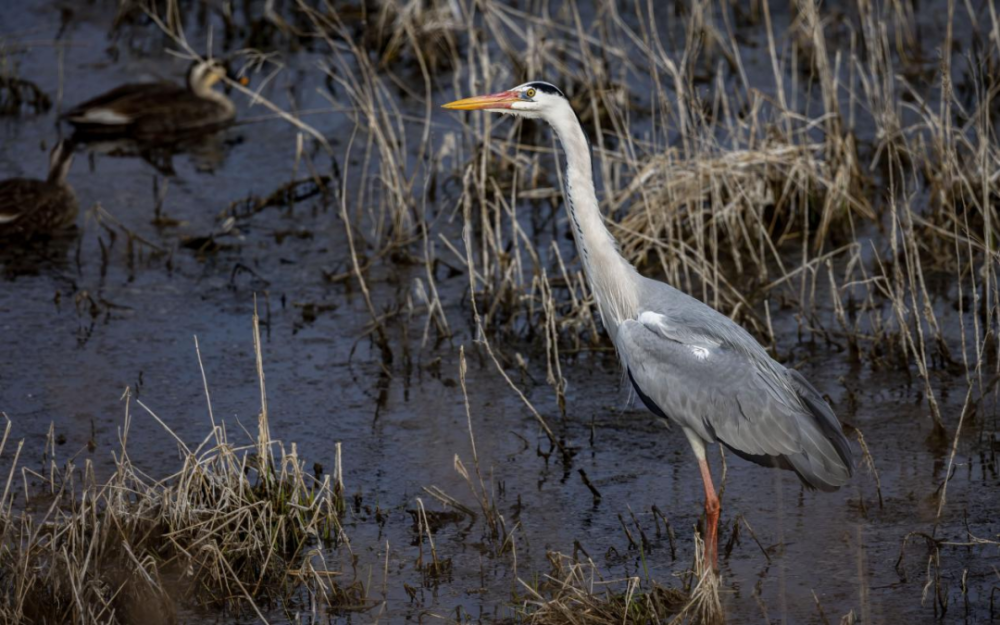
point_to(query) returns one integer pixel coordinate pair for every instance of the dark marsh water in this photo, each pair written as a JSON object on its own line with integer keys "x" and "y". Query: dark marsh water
{"x": 81, "y": 326}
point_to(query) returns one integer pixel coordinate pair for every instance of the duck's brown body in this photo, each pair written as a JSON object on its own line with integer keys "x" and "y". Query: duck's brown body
{"x": 31, "y": 207}
{"x": 151, "y": 111}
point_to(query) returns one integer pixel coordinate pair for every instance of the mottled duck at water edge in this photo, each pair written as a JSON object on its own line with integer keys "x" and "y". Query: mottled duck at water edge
{"x": 30, "y": 207}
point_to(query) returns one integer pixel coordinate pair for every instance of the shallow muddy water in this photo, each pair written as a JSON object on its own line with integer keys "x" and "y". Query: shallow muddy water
{"x": 82, "y": 325}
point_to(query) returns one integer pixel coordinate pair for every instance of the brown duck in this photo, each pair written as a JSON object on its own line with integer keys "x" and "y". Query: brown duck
{"x": 31, "y": 207}
{"x": 159, "y": 109}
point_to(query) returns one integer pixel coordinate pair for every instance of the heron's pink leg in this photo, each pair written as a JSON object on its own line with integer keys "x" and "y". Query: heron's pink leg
{"x": 711, "y": 516}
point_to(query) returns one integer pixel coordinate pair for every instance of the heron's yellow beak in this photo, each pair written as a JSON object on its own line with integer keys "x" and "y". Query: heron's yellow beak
{"x": 502, "y": 100}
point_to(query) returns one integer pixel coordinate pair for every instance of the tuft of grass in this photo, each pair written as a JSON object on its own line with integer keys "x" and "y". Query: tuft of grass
{"x": 237, "y": 527}
{"x": 573, "y": 594}
{"x": 704, "y": 605}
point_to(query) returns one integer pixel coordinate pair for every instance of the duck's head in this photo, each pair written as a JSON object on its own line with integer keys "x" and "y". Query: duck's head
{"x": 203, "y": 75}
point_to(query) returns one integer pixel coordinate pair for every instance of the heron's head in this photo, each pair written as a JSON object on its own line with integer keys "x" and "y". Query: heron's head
{"x": 534, "y": 99}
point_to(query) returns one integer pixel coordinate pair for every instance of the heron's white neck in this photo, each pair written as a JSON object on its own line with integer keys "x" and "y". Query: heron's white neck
{"x": 612, "y": 278}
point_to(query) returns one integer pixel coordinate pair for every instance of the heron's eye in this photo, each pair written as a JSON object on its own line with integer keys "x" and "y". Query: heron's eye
{"x": 530, "y": 93}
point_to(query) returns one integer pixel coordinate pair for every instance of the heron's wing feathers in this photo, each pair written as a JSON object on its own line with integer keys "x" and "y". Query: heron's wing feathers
{"x": 687, "y": 316}
{"x": 827, "y": 421}
{"x": 705, "y": 383}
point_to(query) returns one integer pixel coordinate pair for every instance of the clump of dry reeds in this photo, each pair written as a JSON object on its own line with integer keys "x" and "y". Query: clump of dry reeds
{"x": 238, "y": 527}
{"x": 573, "y": 593}
{"x": 704, "y": 604}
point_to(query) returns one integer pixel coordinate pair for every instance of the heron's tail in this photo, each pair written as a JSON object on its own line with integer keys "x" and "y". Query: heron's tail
{"x": 826, "y": 461}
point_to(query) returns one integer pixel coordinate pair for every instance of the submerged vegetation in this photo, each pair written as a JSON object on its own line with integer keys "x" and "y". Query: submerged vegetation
{"x": 825, "y": 175}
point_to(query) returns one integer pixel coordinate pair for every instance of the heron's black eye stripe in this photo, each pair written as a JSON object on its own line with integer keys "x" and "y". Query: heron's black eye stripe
{"x": 545, "y": 87}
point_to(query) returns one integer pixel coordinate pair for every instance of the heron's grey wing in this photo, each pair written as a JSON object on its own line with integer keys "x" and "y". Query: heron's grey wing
{"x": 685, "y": 316}
{"x": 721, "y": 393}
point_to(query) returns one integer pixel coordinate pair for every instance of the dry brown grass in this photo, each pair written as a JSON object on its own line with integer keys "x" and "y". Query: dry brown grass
{"x": 574, "y": 594}
{"x": 237, "y": 527}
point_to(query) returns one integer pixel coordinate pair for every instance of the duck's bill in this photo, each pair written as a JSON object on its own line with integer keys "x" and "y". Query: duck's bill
{"x": 502, "y": 100}
{"x": 233, "y": 75}
{"x": 240, "y": 80}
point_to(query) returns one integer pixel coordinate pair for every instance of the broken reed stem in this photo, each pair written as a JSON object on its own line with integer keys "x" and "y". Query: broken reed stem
{"x": 204, "y": 382}
{"x": 869, "y": 461}
{"x": 263, "y": 430}
{"x": 345, "y": 218}
{"x": 462, "y": 370}
{"x": 943, "y": 492}
{"x": 339, "y": 470}
{"x": 430, "y": 539}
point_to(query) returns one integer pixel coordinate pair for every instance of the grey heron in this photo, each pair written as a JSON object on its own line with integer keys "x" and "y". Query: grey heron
{"x": 686, "y": 361}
